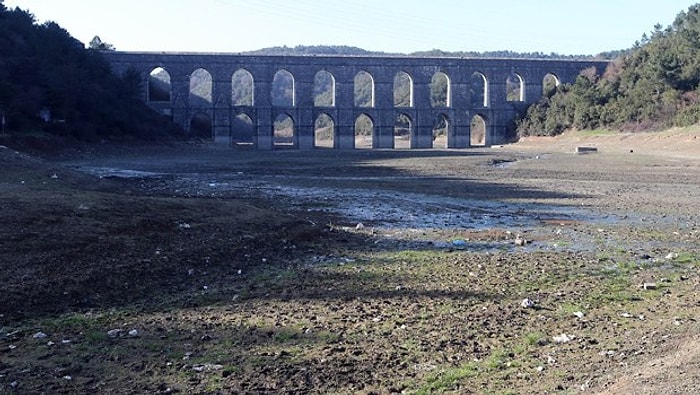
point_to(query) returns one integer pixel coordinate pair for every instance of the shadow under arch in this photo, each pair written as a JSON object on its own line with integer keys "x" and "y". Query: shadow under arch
{"x": 201, "y": 126}
{"x": 243, "y": 131}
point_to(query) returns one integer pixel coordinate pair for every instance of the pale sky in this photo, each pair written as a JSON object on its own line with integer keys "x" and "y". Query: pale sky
{"x": 563, "y": 26}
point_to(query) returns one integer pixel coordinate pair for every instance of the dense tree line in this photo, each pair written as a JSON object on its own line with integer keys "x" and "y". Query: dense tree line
{"x": 654, "y": 85}
{"x": 50, "y": 82}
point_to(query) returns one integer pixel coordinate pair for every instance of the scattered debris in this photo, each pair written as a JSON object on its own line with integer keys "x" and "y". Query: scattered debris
{"x": 586, "y": 150}
{"x": 520, "y": 242}
{"x": 527, "y": 303}
{"x": 40, "y": 335}
{"x": 114, "y": 333}
{"x": 563, "y": 338}
{"x": 207, "y": 367}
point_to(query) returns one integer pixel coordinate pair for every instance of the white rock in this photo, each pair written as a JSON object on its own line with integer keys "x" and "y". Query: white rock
{"x": 114, "y": 333}
{"x": 50, "y": 343}
{"x": 649, "y": 286}
{"x": 563, "y": 338}
{"x": 578, "y": 314}
{"x": 527, "y": 303}
{"x": 67, "y": 378}
{"x": 359, "y": 226}
{"x": 551, "y": 360}
{"x": 671, "y": 256}
{"x": 519, "y": 241}
{"x": 40, "y": 335}
{"x": 133, "y": 333}
{"x": 207, "y": 367}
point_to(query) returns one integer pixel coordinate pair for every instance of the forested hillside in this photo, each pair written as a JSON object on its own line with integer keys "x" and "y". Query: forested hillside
{"x": 49, "y": 82}
{"x": 342, "y": 50}
{"x": 652, "y": 86}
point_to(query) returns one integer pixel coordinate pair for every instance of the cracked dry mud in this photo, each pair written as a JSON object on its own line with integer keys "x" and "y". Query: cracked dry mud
{"x": 353, "y": 272}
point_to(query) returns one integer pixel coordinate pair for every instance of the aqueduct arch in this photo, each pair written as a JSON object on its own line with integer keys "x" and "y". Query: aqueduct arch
{"x": 355, "y": 92}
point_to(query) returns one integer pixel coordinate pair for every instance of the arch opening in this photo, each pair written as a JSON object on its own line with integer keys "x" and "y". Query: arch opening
{"x": 283, "y": 132}
{"x": 403, "y": 131}
{"x": 403, "y": 90}
{"x": 515, "y": 88}
{"x": 324, "y": 89}
{"x": 550, "y": 82}
{"x": 364, "y": 132}
{"x": 440, "y": 90}
{"x": 201, "y": 126}
{"x": 478, "y": 90}
{"x": 242, "y": 131}
{"x": 242, "y": 88}
{"x": 477, "y": 135}
{"x": 201, "y": 89}
{"x": 441, "y": 127}
{"x": 159, "y": 85}
{"x": 324, "y": 132}
{"x": 364, "y": 90}
{"x": 282, "y": 94}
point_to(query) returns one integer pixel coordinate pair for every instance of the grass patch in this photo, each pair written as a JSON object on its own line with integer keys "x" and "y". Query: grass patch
{"x": 447, "y": 379}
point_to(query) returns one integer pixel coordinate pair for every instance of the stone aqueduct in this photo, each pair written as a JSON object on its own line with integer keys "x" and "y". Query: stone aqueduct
{"x": 474, "y": 88}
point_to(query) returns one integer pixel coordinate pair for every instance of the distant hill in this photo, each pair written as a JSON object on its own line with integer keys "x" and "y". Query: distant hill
{"x": 342, "y": 50}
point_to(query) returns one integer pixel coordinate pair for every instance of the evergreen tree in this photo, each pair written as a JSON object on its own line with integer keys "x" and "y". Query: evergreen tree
{"x": 654, "y": 85}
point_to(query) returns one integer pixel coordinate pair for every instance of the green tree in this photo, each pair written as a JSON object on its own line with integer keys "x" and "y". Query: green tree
{"x": 654, "y": 85}
{"x": 97, "y": 44}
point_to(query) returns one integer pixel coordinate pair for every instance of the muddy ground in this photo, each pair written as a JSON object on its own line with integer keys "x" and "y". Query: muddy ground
{"x": 189, "y": 268}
